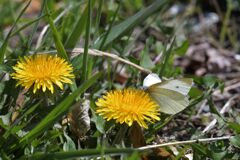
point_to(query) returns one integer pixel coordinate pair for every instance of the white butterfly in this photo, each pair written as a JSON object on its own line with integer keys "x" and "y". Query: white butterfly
{"x": 171, "y": 95}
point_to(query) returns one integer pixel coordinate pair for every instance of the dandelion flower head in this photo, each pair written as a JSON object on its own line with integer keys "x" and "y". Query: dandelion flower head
{"x": 128, "y": 106}
{"x": 42, "y": 71}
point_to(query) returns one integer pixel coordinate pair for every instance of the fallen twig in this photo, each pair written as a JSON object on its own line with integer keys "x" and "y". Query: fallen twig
{"x": 184, "y": 142}
{"x": 76, "y": 51}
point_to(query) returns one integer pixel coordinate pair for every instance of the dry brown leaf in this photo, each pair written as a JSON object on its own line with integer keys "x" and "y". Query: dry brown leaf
{"x": 136, "y": 136}
{"x": 79, "y": 118}
{"x": 19, "y": 104}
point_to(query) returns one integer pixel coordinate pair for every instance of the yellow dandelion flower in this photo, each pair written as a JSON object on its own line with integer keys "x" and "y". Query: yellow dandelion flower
{"x": 42, "y": 71}
{"x": 127, "y": 106}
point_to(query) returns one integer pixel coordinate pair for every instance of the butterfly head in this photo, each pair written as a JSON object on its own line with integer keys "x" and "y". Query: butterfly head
{"x": 150, "y": 80}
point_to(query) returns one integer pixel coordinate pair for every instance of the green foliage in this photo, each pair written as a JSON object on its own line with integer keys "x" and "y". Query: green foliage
{"x": 235, "y": 141}
{"x": 38, "y": 126}
{"x": 78, "y": 29}
{"x": 131, "y": 22}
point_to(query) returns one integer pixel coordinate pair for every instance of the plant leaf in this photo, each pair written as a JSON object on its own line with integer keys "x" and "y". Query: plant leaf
{"x": 235, "y": 126}
{"x": 235, "y": 141}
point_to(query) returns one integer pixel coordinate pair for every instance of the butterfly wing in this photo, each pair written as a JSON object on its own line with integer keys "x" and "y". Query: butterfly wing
{"x": 182, "y": 85}
{"x": 171, "y": 95}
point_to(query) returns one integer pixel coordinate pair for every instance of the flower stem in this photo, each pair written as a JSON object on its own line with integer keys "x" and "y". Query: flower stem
{"x": 45, "y": 100}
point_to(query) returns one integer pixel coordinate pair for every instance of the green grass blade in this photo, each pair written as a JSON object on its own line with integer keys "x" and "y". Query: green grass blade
{"x": 58, "y": 111}
{"x": 131, "y": 22}
{"x": 5, "y": 43}
{"x": 34, "y": 30}
{"x": 166, "y": 57}
{"x": 86, "y": 45}
{"x": 59, "y": 46}
{"x": 81, "y": 153}
{"x": 98, "y": 18}
{"x": 110, "y": 27}
{"x": 27, "y": 25}
{"x": 77, "y": 30}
